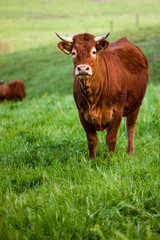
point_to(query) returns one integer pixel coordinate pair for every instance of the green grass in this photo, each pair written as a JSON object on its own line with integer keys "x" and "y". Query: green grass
{"x": 48, "y": 188}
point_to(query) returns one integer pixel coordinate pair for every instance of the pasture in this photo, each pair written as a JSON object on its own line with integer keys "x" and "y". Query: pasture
{"x": 48, "y": 188}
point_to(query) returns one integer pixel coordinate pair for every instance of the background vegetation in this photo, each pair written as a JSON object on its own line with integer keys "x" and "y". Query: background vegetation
{"x": 48, "y": 188}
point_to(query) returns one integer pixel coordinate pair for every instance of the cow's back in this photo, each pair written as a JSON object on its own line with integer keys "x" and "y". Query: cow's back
{"x": 17, "y": 90}
{"x": 130, "y": 71}
{"x": 131, "y": 56}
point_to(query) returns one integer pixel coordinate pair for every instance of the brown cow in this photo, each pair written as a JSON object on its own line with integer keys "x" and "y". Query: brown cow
{"x": 14, "y": 90}
{"x": 110, "y": 80}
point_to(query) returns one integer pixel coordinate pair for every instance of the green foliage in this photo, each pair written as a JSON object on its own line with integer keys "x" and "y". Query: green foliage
{"x": 48, "y": 188}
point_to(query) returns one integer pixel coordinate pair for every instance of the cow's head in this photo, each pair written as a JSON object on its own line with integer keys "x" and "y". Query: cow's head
{"x": 84, "y": 49}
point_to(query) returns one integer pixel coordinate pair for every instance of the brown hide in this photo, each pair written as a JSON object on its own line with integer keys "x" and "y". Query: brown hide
{"x": 12, "y": 91}
{"x": 115, "y": 89}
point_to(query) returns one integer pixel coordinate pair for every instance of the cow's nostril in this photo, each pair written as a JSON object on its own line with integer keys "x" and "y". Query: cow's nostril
{"x": 87, "y": 68}
{"x": 79, "y": 69}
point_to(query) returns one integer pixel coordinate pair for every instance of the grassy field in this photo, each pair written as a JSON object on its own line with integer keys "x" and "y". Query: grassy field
{"x": 48, "y": 188}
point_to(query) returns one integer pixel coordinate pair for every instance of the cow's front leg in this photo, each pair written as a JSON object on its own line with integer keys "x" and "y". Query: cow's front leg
{"x": 92, "y": 143}
{"x": 112, "y": 129}
{"x": 92, "y": 139}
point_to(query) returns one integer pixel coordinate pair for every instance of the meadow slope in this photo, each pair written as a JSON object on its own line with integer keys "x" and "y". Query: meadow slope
{"x": 48, "y": 188}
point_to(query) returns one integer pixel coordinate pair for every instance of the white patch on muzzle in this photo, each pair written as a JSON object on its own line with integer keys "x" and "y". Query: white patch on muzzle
{"x": 83, "y": 70}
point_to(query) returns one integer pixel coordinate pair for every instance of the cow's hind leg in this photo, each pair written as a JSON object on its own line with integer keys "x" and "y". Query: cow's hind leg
{"x": 130, "y": 130}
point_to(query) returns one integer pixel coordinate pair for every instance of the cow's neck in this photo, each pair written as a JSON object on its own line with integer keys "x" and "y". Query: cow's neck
{"x": 93, "y": 88}
{"x": 90, "y": 90}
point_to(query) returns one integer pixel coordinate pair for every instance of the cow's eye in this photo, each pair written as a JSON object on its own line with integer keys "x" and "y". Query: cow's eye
{"x": 94, "y": 52}
{"x": 73, "y": 53}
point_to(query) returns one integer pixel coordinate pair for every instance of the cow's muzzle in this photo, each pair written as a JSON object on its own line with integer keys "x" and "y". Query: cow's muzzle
{"x": 83, "y": 71}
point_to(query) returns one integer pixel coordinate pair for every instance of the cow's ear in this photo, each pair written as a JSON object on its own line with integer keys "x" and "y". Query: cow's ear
{"x": 65, "y": 47}
{"x": 101, "y": 46}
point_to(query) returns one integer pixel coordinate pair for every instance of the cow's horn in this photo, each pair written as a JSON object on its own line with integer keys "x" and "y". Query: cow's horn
{"x": 100, "y": 38}
{"x": 2, "y": 82}
{"x": 66, "y": 39}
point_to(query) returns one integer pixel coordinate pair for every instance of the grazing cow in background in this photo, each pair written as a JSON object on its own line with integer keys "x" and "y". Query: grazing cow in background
{"x": 12, "y": 91}
{"x": 110, "y": 80}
